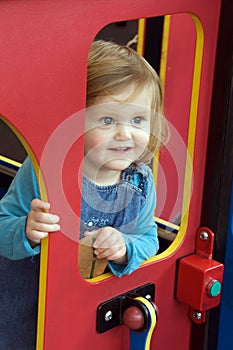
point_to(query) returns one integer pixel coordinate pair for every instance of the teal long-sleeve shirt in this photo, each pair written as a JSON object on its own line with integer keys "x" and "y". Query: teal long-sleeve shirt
{"x": 14, "y": 208}
{"x": 141, "y": 244}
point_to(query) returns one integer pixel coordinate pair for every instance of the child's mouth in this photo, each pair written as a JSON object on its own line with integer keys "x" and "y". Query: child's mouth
{"x": 121, "y": 149}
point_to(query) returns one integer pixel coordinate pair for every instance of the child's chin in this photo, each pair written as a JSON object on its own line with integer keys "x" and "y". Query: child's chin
{"x": 119, "y": 164}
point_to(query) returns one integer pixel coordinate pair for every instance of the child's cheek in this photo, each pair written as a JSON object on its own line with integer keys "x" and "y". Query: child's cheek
{"x": 92, "y": 140}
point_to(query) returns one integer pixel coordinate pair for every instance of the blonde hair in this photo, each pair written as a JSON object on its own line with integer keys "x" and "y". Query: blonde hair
{"x": 113, "y": 68}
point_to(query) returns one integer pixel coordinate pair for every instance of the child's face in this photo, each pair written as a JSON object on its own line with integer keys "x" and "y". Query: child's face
{"x": 116, "y": 133}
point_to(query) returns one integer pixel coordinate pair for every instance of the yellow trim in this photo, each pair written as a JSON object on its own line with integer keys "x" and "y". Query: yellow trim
{"x": 42, "y": 294}
{"x": 141, "y": 33}
{"x": 100, "y": 278}
{"x": 153, "y": 320}
{"x": 10, "y": 161}
{"x": 191, "y": 141}
{"x": 44, "y": 243}
{"x": 192, "y": 127}
{"x": 24, "y": 143}
{"x": 43, "y": 276}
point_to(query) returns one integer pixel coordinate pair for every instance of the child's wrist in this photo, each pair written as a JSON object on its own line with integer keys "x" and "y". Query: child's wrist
{"x": 32, "y": 243}
{"x": 122, "y": 260}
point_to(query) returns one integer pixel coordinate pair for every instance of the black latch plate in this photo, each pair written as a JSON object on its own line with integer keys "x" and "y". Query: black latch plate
{"x": 110, "y": 312}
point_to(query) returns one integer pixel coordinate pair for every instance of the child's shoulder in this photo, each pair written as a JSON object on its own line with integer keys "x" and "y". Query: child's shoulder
{"x": 139, "y": 175}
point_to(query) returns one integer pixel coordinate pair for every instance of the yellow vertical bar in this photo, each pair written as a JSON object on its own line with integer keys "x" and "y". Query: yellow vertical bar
{"x": 43, "y": 275}
{"x": 141, "y": 33}
{"x": 42, "y": 294}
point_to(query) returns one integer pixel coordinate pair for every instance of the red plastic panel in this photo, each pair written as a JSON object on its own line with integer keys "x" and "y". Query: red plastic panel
{"x": 43, "y": 58}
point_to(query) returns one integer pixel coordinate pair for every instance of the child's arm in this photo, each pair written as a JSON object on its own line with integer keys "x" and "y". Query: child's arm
{"x": 142, "y": 243}
{"x": 14, "y": 208}
{"x": 126, "y": 252}
{"x": 23, "y": 220}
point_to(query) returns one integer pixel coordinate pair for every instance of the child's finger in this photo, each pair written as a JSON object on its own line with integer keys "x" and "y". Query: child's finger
{"x": 39, "y": 205}
{"x": 43, "y": 227}
{"x": 37, "y": 236}
{"x": 112, "y": 253}
{"x": 89, "y": 233}
{"x": 104, "y": 238}
{"x": 46, "y": 218}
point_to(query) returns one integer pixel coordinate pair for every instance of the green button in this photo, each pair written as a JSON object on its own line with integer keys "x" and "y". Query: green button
{"x": 215, "y": 289}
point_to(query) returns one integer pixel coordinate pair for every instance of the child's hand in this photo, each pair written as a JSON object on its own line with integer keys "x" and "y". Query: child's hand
{"x": 39, "y": 222}
{"x": 109, "y": 244}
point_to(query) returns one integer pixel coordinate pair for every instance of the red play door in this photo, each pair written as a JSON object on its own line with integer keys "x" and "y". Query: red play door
{"x": 43, "y": 62}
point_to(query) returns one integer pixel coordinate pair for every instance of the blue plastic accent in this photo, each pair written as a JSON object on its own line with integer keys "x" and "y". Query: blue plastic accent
{"x": 138, "y": 339}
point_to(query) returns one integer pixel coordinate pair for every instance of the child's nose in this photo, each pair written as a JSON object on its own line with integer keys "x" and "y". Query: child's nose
{"x": 122, "y": 131}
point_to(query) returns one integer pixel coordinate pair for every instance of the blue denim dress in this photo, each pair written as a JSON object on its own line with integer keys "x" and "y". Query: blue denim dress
{"x": 117, "y": 205}
{"x": 127, "y": 206}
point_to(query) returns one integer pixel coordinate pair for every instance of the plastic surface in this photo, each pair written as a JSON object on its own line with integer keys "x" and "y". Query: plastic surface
{"x": 43, "y": 60}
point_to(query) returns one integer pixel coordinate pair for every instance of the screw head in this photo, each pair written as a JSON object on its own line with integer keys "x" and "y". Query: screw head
{"x": 197, "y": 315}
{"x": 204, "y": 235}
{"x": 108, "y": 316}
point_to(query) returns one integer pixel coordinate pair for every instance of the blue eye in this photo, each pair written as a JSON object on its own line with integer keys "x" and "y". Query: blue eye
{"x": 137, "y": 120}
{"x": 107, "y": 121}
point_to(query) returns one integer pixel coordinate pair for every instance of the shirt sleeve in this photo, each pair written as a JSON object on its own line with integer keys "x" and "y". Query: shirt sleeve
{"x": 143, "y": 242}
{"x": 14, "y": 208}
